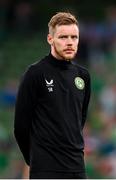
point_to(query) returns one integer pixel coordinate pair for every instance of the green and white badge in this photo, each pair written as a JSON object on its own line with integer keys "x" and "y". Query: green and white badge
{"x": 79, "y": 82}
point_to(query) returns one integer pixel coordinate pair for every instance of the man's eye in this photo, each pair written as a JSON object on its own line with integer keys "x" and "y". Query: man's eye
{"x": 63, "y": 37}
{"x": 74, "y": 37}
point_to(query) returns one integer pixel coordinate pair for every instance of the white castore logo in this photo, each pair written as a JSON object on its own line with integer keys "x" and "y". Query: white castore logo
{"x": 49, "y": 85}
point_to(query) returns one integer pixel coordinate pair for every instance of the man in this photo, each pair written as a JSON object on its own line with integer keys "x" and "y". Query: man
{"x": 52, "y": 104}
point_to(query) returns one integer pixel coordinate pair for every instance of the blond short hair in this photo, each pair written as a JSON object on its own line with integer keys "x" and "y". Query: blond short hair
{"x": 61, "y": 18}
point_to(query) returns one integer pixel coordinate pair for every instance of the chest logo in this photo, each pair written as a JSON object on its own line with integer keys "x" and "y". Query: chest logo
{"x": 49, "y": 85}
{"x": 79, "y": 82}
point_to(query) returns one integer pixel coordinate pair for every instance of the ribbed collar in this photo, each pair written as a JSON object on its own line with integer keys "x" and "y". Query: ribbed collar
{"x": 58, "y": 62}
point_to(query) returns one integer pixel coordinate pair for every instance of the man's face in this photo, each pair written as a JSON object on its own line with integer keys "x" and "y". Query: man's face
{"x": 64, "y": 41}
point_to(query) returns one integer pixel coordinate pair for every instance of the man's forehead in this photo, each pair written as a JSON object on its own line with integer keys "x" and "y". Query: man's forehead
{"x": 67, "y": 29}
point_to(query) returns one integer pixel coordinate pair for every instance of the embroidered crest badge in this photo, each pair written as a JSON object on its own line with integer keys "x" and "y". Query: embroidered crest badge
{"x": 79, "y": 82}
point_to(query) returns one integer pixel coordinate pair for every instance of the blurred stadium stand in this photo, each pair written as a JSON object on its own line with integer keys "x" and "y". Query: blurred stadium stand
{"x": 23, "y": 30}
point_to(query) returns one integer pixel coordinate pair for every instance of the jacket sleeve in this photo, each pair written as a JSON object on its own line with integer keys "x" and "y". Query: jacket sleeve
{"x": 86, "y": 98}
{"x": 24, "y": 113}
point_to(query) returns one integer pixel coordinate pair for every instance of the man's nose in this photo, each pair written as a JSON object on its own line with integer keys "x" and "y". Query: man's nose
{"x": 69, "y": 40}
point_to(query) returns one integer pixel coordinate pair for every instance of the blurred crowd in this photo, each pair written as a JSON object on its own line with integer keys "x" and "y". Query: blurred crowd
{"x": 97, "y": 52}
{"x": 100, "y": 130}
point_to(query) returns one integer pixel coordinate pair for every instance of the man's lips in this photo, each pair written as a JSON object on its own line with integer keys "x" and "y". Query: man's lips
{"x": 69, "y": 50}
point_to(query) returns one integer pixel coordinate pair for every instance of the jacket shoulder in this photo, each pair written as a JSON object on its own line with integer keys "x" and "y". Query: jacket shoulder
{"x": 34, "y": 68}
{"x": 82, "y": 70}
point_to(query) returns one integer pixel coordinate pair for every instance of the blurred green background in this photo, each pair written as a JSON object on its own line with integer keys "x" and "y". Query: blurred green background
{"x": 23, "y": 31}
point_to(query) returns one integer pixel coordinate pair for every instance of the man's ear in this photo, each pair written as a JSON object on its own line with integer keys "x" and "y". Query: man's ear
{"x": 50, "y": 39}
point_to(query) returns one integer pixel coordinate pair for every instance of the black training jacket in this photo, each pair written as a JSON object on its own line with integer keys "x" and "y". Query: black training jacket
{"x": 50, "y": 114}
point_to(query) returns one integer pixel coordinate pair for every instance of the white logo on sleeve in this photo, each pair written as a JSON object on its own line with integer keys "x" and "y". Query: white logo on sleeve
{"x": 49, "y": 85}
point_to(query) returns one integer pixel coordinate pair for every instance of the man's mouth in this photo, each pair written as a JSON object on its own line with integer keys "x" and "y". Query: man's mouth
{"x": 69, "y": 50}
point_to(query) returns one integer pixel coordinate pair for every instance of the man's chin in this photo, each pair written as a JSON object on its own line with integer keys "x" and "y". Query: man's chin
{"x": 69, "y": 57}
